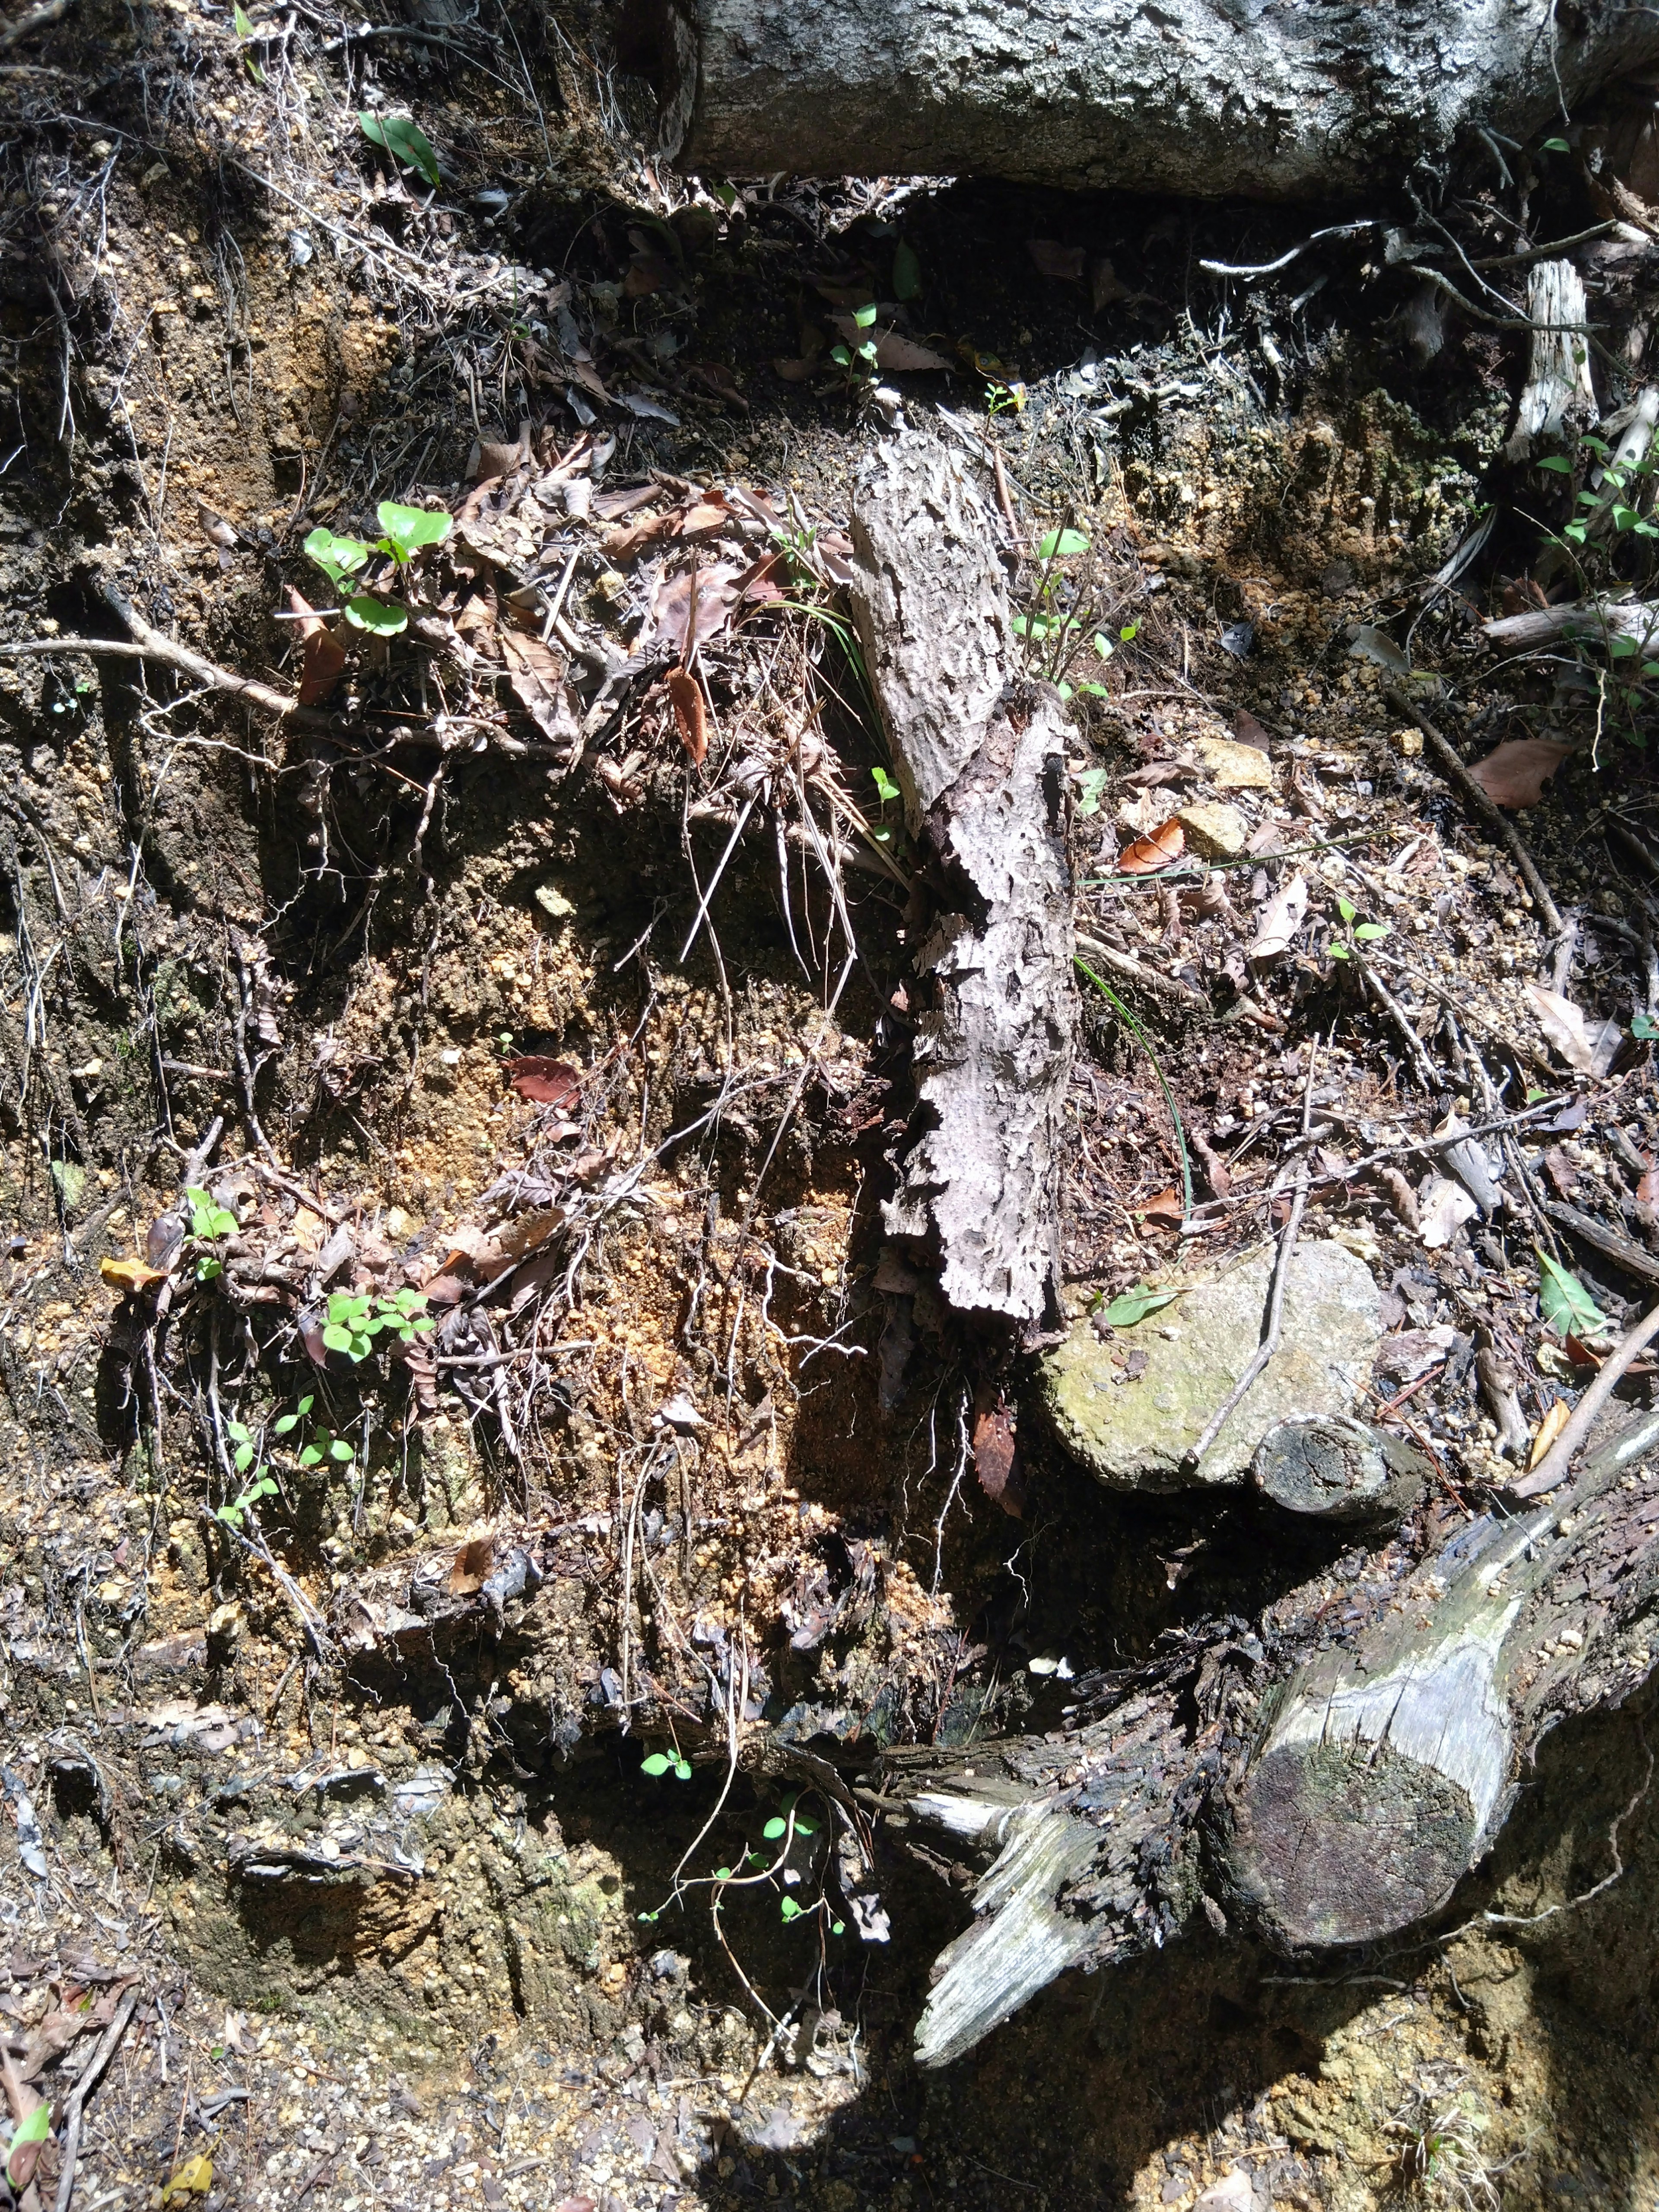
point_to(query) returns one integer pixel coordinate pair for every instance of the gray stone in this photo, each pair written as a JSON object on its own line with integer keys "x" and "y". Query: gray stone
{"x": 1132, "y": 1431}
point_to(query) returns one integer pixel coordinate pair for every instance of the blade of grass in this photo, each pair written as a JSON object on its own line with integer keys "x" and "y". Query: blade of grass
{"x": 1144, "y": 1042}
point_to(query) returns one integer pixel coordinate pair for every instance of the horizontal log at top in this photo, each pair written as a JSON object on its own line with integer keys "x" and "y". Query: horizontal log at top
{"x": 1284, "y": 98}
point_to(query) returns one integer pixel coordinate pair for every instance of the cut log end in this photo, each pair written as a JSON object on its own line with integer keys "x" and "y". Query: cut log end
{"x": 1337, "y": 1844}
{"x": 1338, "y": 1471}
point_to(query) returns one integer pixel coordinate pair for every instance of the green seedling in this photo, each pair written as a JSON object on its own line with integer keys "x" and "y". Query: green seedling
{"x": 661, "y": 1762}
{"x": 355, "y": 1319}
{"x": 404, "y": 139}
{"x": 244, "y": 28}
{"x": 234, "y": 1513}
{"x": 857, "y": 363}
{"x": 404, "y": 531}
{"x": 209, "y": 1222}
{"x": 1132, "y": 1306}
{"x": 1364, "y": 932}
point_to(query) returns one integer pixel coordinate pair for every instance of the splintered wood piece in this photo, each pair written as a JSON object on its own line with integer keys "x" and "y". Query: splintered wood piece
{"x": 979, "y": 752}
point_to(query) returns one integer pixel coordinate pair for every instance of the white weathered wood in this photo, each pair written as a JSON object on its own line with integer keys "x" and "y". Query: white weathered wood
{"x": 1282, "y": 98}
{"x": 1019, "y": 1942}
{"x": 1558, "y": 393}
{"x": 979, "y": 752}
{"x": 1592, "y": 621}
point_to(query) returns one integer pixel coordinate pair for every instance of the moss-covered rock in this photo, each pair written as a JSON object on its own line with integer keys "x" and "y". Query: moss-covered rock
{"x": 1129, "y": 1405}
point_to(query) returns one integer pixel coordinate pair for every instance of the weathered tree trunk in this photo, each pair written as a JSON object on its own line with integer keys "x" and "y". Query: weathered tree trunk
{"x": 979, "y": 753}
{"x": 1323, "y": 1801}
{"x": 1287, "y": 100}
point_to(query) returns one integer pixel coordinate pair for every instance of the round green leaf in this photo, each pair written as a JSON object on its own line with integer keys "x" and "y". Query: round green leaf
{"x": 658, "y": 1762}
{"x": 1061, "y": 545}
{"x": 336, "y": 1338}
{"x": 409, "y": 527}
{"x": 365, "y": 612}
{"x": 774, "y": 1829}
{"x": 682, "y": 1769}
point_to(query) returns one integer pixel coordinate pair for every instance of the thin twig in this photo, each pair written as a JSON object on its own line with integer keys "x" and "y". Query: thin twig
{"x": 1479, "y": 802}
{"x": 86, "y": 2081}
{"x": 35, "y": 19}
{"x": 1269, "y": 1344}
{"x": 1552, "y": 1469}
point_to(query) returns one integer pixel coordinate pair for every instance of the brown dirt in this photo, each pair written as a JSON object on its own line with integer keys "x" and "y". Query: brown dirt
{"x": 399, "y": 1892}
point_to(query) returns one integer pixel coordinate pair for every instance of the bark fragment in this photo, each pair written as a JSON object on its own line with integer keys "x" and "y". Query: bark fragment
{"x": 979, "y": 753}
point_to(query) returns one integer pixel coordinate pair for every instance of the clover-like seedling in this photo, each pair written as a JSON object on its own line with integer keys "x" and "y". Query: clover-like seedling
{"x": 407, "y": 529}
{"x": 658, "y": 1762}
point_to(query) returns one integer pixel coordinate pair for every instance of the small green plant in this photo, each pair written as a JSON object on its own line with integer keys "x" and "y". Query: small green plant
{"x": 857, "y": 363}
{"x": 244, "y": 1452}
{"x": 662, "y": 1762}
{"x": 1612, "y": 533}
{"x": 404, "y": 531}
{"x": 1059, "y": 623}
{"x": 404, "y": 139}
{"x": 209, "y": 1222}
{"x": 1355, "y": 932}
{"x": 245, "y": 32}
{"x": 321, "y": 1447}
{"x": 1441, "y": 2158}
{"x": 355, "y": 1319}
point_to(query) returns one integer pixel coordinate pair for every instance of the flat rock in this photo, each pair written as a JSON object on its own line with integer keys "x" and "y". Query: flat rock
{"x": 1233, "y": 767}
{"x": 1214, "y": 832}
{"x": 1132, "y": 1431}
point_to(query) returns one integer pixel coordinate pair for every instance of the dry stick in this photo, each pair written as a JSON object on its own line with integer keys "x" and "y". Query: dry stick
{"x": 1552, "y": 1469}
{"x": 1479, "y": 803}
{"x": 1428, "y": 1074}
{"x": 1165, "y": 987}
{"x": 86, "y": 2081}
{"x": 1269, "y": 1344}
{"x": 148, "y": 644}
{"x": 35, "y": 19}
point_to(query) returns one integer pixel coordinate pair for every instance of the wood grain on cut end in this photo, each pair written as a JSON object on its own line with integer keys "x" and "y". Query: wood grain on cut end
{"x": 1343, "y": 1842}
{"x": 1339, "y": 1470}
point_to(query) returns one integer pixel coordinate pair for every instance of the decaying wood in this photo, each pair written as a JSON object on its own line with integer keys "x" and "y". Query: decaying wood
{"x": 1593, "y": 620}
{"x": 979, "y": 753}
{"x": 1558, "y": 393}
{"x": 1188, "y": 98}
{"x": 1318, "y": 1798}
{"x": 1339, "y": 1470}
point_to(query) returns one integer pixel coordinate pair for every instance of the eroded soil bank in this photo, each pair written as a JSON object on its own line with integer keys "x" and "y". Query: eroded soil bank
{"x": 347, "y": 1769}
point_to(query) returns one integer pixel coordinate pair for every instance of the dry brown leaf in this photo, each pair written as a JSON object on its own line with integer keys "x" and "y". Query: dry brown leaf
{"x": 893, "y": 353}
{"x": 794, "y": 372}
{"x": 492, "y": 459}
{"x": 686, "y": 697}
{"x": 1105, "y": 285}
{"x": 536, "y": 672}
{"x": 1515, "y": 773}
{"x": 1549, "y": 1428}
{"x": 322, "y": 657}
{"x": 1166, "y": 1206}
{"x": 1054, "y": 259}
{"x": 547, "y": 1082}
{"x": 470, "y": 1568}
{"x": 1158, "y": 849}
{"x": 1281, "y": 918}
{"x": 721, "y": 381}
{"x": 130, "y": 1276}
{"x": 670, "y": 607}
{"x": 1590, "y": 1047}
{"x": 1647, "y": 1191}
{"x": 1249, "y": 732}
{"x": 995, "y": 1449}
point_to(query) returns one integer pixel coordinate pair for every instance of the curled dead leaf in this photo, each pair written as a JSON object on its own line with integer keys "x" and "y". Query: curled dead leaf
{"x": 130, "y": 1277}
{"x": 546, "y": 1082}
{"x": 536, "y": 675}
{"x": 1515, "y": 773}
{"x": 1281, "y": 918}
{"x": 322, "y": 657}
{"x": 1053, "y": 259}
{"x": 470, "y": 1568}
{"x": 1166, "y": 1206}
{"x": 1549, "y": 1429}
{"x": 685, "y": 694}
{"x": 1590, "y": 1045}
{"x": 1158, "y": 849}
{"x": 995, "y": 1454}
{"x": 893, "y": 352}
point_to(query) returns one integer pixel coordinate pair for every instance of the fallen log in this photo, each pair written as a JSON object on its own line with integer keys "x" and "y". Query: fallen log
{"x": 1291, "y": 102}
{"x": 1338, "y": 1471}
{"x": 979, "y": 753}
{"x": 1315, "y": 1798}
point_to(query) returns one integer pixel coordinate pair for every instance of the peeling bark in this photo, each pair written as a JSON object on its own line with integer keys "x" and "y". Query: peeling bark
{"x": 979, "y": 753}
{"x": 1196, "y": 97}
